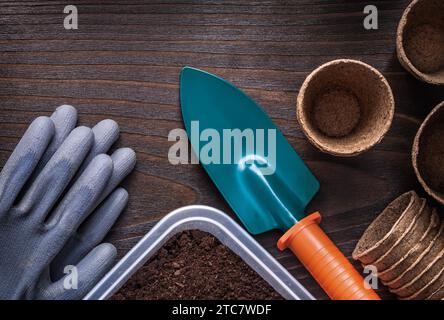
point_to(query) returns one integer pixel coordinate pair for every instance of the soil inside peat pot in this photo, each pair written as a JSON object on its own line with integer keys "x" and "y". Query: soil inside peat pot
{"x": 336, "y": 112}
{"x": 424, "y": 46}
{"x": 195, "y": 265}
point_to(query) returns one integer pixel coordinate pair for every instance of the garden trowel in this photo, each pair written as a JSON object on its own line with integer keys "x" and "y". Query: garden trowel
{"x": 262, "y": 177}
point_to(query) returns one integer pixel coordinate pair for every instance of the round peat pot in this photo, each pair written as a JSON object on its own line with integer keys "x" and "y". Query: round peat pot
{"x": 428, "y": 153}
{"x": 420, "y": 40}
{"x": 345, "y": 107}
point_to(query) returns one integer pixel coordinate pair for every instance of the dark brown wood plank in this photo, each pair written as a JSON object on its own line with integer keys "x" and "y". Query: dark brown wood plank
{"x": 124, "y": 62}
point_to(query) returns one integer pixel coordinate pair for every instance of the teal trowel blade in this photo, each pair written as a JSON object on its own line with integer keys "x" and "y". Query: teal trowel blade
{"x": 267, "y": 190}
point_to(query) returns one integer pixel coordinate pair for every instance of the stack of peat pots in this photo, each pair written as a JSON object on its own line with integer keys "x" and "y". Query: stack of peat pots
{"x": 405, "y": 244}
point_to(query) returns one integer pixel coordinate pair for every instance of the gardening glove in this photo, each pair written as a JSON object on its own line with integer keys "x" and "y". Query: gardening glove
{"x": 40, "y": 223}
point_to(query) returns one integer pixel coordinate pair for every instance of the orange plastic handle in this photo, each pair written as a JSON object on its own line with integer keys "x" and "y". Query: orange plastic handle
{"x": 330, "y": 268}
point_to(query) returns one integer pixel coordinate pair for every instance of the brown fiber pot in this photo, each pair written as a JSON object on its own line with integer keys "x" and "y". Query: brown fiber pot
{"x": 420, "y": 40}
{"x": 428, "y": 153}
{"x": 345, "y": 107}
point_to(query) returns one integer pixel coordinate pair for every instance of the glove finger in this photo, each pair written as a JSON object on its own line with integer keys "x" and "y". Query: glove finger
{"x": 77, "y": 203}
{"x": 97, "y": 225}
{"x": 64, "y": 119}
{"x": 54, "y": 178}
{"x": 80, "y": 280}
{"x": 124, "y": 160}
{"x": 106, "y": 132}
{"x": 23, "y": 161}
{"x": 90, "y": 233}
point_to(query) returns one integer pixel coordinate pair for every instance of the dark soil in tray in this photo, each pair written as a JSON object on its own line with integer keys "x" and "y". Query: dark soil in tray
{"x": 195, "y": 265}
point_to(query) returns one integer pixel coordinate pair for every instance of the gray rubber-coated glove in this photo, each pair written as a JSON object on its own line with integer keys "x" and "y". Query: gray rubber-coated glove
{"x": 58, "y": 200}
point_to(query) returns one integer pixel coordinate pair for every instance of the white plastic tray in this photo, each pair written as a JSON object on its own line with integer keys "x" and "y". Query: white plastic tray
{"x": 219, "y": 225}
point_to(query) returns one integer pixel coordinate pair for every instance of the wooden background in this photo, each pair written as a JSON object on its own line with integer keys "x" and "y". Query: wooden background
{"x": 124, "y": 60}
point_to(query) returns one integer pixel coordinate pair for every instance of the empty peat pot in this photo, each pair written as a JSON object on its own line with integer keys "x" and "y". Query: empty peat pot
{"x": 345, "y": 107}
{"x": 420, "y": 40}
{"x": 428, "y": 153}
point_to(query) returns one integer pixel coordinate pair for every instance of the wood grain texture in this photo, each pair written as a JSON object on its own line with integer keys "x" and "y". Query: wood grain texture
{"x": 124, "y": 60}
